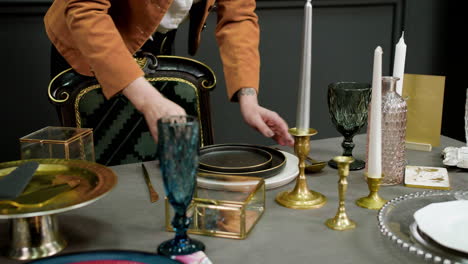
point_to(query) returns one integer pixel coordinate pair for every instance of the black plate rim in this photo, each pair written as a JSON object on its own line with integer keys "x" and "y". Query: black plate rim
{"x": 270, "y": 172}
{"x": 264, "y": 165}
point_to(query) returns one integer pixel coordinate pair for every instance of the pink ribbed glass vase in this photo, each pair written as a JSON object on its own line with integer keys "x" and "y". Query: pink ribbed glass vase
{"x": 393, "y": 133}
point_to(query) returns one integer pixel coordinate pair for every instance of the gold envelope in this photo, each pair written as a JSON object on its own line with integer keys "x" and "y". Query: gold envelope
{"x": 425, "y": 96}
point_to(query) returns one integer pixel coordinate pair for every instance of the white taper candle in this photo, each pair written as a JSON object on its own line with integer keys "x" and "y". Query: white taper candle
{"x": 303, "y": 106}
{"x": 374, "y": 160}
{"x": 399, "y": 63}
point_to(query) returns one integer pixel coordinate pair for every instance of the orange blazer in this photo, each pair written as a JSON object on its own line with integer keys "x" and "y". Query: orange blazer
{"x": 98, "y": 38}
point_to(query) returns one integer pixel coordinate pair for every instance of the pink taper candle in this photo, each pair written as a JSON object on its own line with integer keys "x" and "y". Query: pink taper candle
{"x": 303, "y": 105}
{"x": 374, "y": 166}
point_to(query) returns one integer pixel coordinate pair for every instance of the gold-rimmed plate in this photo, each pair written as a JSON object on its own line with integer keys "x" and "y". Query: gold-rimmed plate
{"x": 234, "y": 158}
{"x": 45, "y": 194}
{"x": 278, "y": 163}
{"x": 285, "y": 176}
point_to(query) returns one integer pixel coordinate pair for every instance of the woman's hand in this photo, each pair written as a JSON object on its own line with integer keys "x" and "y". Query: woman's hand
{"x": 267, "y": 122}
{"x": 151, "y": 103}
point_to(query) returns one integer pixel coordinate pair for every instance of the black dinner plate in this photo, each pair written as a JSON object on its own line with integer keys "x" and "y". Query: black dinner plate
{"x": 234, "y": 158}
{"x": 277, "y": 163}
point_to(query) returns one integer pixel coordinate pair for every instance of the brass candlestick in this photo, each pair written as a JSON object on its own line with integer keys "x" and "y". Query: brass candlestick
{"x": 373, "y": 200}
{"x": 301, "y": 197}
{"x": 341, "y": 221}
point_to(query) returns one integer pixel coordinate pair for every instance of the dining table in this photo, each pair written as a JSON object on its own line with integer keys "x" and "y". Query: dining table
{"x": 125, "y": 219}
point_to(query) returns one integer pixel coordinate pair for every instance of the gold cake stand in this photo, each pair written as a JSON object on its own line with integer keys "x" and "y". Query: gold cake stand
{"x": 34, "y": 228}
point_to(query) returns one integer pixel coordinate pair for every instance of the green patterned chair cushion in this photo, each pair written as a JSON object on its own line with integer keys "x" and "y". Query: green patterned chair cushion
{"x": 120, "y": 132}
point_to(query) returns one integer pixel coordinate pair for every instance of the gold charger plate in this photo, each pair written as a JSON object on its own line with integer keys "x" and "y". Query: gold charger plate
{"x": 84, "y": 182}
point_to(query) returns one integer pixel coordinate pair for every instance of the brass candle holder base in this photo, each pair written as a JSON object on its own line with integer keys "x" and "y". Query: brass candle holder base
{"x": 373, "y": 200}
{"x": 301, "y": 197}
{"x": 341, "y": 221}
{"x": 297, "y": 199}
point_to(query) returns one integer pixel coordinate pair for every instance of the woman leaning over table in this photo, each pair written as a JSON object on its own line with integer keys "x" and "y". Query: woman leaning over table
{"x": 98, "y": 38}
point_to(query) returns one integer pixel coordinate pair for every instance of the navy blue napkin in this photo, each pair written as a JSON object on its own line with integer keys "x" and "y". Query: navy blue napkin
{"x": 13, "y": 184}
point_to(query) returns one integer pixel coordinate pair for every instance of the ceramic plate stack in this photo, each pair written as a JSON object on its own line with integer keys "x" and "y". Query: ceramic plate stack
{"x": 444, "y": 225}
{"x": 239, "y": 159}
{"x": 274, "y": 166}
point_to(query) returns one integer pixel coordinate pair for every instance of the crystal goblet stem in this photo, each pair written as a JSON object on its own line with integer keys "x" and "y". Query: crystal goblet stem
{"x": 348, "y": 146}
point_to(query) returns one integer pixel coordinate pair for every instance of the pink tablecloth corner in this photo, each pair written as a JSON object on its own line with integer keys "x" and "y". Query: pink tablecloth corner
{"x": 198, "y": 257}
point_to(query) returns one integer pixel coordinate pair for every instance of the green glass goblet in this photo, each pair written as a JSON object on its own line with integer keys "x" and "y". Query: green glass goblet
{"x": 348, "y": 104}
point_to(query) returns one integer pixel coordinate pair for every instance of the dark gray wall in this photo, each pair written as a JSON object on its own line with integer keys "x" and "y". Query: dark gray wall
{"x": 24, "y": 73}
{"x": 453, "y": 59}
{"x": 345, "y": 34}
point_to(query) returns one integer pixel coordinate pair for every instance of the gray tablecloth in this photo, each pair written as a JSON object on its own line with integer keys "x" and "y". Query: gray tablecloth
{"x": 125, "y": 219}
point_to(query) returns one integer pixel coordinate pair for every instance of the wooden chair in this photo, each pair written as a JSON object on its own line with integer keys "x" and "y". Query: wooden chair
{"x": 120, "y": 132}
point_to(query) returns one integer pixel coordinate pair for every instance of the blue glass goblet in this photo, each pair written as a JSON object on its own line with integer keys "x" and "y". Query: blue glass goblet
{"x": 178, "y": 138}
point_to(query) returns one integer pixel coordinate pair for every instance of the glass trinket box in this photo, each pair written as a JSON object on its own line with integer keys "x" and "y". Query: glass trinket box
{"x": 58, "y": 143}
{"x": 230, "y": 211}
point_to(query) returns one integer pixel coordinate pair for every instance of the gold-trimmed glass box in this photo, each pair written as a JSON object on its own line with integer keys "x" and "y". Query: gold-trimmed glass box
{"x": 58, "y": 143}
{"x": 230, "y": 208}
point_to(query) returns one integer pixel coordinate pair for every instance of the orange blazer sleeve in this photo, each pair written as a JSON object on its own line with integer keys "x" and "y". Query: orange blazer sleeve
{"x": 98, "y": 40}
{"x": 238, "y": 35}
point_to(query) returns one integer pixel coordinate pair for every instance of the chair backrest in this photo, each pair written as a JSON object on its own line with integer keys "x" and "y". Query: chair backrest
{"x": 120, "y": 132}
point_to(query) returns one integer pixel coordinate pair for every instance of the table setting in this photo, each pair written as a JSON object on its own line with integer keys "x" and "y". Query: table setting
{"x": 149, "y": 225}
{"x": 238, "y": 202}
